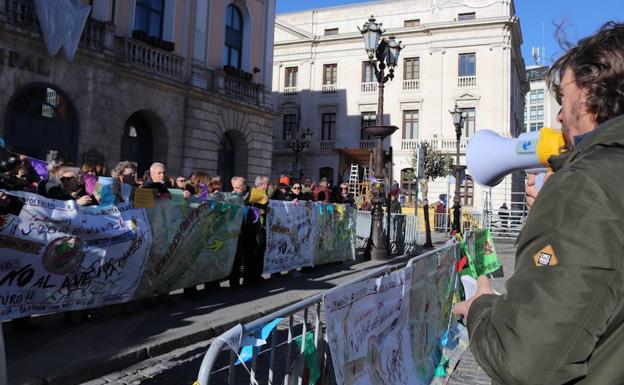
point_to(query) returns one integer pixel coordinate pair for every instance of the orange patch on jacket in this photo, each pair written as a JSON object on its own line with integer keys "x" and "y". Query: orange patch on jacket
{"x": 545, "y": 257}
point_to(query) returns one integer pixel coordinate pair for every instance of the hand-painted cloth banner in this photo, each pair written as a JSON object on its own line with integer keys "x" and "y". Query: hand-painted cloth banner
{"x": 335, "y": 233}
{"x": 290, "y": 236}
{"x": 192, "y": 245}
{"x": 368, "y": 334}
{"x": 479, "y": 248}
{"x": 308, "y": 233}
{"x": 433, "y": 285}
{"x": 59, "y": 256}
{"x": 394, "y": 329}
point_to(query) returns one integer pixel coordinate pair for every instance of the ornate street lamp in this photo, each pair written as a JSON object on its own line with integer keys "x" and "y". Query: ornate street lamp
{"x": 382, "y": 53}
{"x": 298, "y": 145}
{"x": 459, "y": 118}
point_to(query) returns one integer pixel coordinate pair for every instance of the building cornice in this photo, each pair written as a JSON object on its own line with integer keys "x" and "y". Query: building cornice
{"x": 428, "y": 29}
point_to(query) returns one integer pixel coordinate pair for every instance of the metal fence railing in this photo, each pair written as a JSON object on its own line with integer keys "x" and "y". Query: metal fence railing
{"x": 277, "y": 360}
{"x": 405, "y": 231}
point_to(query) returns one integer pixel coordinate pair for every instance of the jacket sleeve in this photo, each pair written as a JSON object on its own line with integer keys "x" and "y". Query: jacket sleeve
{"x": 546, "y": 326}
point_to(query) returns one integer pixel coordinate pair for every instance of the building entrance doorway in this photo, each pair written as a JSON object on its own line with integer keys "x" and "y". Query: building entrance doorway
{"x": 41, "y": 123}
{"x": 137, "y": 144}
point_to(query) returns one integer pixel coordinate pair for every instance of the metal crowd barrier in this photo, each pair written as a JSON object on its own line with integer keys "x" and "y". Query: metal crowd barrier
{"x": 405, "y": 234}
{"x": 216, "y": 369}
{"x": 266, "y": 361}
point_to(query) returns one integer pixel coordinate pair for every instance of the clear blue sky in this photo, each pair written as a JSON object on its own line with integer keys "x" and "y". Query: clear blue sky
{"x": 581, "y": 18}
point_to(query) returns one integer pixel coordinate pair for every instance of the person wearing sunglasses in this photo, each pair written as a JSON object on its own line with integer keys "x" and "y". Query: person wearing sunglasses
{"x": 295, "y": 192}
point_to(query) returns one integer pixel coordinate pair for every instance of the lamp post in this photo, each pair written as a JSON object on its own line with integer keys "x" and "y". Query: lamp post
{"x": 298, "y": 145}
{"x": 459, "y": 117}
{"x": 383, "y": 53}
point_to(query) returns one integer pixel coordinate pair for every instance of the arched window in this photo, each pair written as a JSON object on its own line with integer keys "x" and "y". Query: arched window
{"x": 233, "y": 52}
{"x": 137, "y": 143}
{"x": 408, "y": 183}
{"x": 41, "y": 122}
{"x": 327, "y": 172}
{"x": 467, "y": 191}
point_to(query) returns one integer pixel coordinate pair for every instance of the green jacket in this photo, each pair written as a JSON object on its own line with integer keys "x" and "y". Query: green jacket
{"x": 562, "y": 319}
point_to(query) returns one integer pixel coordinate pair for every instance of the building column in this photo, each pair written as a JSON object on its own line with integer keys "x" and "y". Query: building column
{"x": 198, "y": 70}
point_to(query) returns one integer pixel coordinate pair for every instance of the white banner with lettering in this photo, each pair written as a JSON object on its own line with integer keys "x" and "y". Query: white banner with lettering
{"x": 291, "y": 236}
{"x": 59, "y": 256}
{"x": 396, "y": 329}
{"x": 368, "y": 331}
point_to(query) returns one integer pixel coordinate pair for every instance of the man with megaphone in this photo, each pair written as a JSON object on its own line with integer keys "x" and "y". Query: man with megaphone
{"x": 561, "y": 320}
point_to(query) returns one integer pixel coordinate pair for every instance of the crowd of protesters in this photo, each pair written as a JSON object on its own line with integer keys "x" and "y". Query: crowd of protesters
{"x": 65, "y": 181}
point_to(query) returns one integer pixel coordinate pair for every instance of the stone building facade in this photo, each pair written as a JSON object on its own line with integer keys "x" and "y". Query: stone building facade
{"x": 464, "y": 52}
{"x": 148, "y": 82}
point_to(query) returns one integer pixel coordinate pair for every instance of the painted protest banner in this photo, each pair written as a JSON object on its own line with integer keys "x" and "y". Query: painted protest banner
{"x": 192, "y": 245}
{"x": 395, "y": 329}
{"x": 368, "y": 334}
{"x": 431, "y": 293}
{"x": 290, "y": 236}
{"x": 479, "y": 249}
{"x": 335, "y": 233}
{"x": 59, "y": 256}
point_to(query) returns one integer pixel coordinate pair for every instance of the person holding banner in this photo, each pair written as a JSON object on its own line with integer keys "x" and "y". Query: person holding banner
{"x": 561, "y": 318}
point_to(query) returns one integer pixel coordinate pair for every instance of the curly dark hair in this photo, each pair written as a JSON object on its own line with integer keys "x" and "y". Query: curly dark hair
{"x": 597, "y": 63}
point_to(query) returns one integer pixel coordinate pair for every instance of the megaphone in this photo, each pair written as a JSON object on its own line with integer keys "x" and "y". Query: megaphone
{"x": 490, "y": 157}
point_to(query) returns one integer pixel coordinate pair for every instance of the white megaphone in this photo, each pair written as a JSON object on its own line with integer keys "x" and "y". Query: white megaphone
{"x": 490, "y": 157}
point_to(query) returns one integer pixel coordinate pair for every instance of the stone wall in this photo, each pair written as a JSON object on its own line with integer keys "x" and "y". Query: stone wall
{"x": 187, "y": 123}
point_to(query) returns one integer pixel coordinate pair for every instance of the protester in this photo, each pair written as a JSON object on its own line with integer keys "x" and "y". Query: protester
{"x": 125, "y": 173}
{"x": 270, "y": 190}
{"x": 322, "y": 191}
{"x": 560, "y": 319}
{"x": 66, "y": 184}
{"x": 307, "y": 191}
{"x": 51, "y": 186}
{"x": 395, "y": 205}
{"x": 365, "y": 206}
{"x": 282, "y": 193}
{"x": 346, "y": 196}
{"x": 157, "y": 181}
{"x": 87, "y": 168}
{"x": 295, "y": 192}
{"x": 254, "y": 252}
{"x": 215, "y": 189}
{"x": 503, "y": 215}
{"x": 239, "y": 185}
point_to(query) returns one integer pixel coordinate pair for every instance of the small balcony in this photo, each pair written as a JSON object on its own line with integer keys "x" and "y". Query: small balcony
{"x": 368, "y": 87}
{"x": 154, "y": 60}
{"x": 409, "y": 144}
{"x": 448, "y": 145}
{"x": 327, "y": 145}
{"x": 281, "y": 145}
{"x": 96, "y": 36}
{"x": 329, "y": 88}
{"x": 241, "y": 89}
{"x": 368, "y": 143}
{"x": 22, "y": 13}
{"x": 411, "y": 85}
{"x": 467, "y": 81}
{"x": 291, "y": 90}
